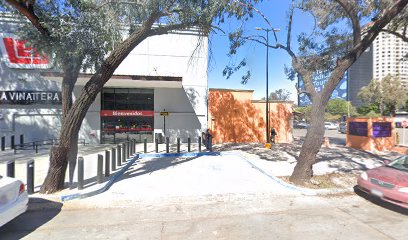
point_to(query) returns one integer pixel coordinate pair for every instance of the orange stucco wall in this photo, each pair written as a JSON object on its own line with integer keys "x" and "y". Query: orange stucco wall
{"x": 234, "y": 117}
{"x": 370, "y": 143}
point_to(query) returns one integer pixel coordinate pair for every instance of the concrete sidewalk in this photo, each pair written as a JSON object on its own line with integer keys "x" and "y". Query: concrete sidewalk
{"x": 88, "y": 152}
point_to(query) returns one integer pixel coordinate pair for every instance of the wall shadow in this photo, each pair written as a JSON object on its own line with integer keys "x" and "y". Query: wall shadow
{"x": 40, "y": 211}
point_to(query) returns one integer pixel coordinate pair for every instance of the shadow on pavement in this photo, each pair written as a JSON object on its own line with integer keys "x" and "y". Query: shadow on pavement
{"x": 39, "y": 212}
{"x": 155, "y": 164}
{"x": 381, "y": 203}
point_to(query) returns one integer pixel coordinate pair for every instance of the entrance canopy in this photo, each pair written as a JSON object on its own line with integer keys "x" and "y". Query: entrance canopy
{"x": 127, "y": 81}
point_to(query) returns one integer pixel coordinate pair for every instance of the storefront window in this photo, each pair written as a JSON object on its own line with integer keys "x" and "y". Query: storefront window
{"x": 127, "y": 114}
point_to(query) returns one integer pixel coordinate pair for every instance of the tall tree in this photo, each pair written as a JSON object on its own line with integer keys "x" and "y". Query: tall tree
{"x": 386, "y": 93}
{"x": 336, "y": 42}
{"x": 143, "y": 19}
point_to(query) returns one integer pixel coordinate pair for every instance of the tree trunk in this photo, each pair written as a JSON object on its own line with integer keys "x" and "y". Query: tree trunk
{"x": 73, "y": 120}
{"x": 56, "y": 172}
{"x": 303, "y": 170}
{"x": 71, "y": 71}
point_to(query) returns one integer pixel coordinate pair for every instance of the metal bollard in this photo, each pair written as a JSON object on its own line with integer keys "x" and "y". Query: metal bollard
{"x": 129, "y": 148}
{"x": 189, "y": 144}
{"x": 107, "y": 163}
{"x": 113, "y": 159}
{"x": 11, "y": 168}
{"x": 21, "y": 140}
{"x": 167, "y": 144}
{"x": 3, "y": 143}
{"x": 80, "y": 173}
{"x": 30, "y": 177}
{"x": 199, "y": 144}
{"x": 157, "y": 145}
{"x": 145, "y": 145}
{"x": 99, "y": 177}
{"x": 119, "y": 156}
{"x": 124, "y": 152}
{"x": 36, "y": 148}
{"x": 178, "y": 144}
{"x": 13, "y": 145}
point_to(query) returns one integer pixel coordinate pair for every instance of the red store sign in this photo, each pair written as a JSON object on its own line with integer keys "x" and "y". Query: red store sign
{"x": 126, "y": 113}
{"x": 18, "y": 55}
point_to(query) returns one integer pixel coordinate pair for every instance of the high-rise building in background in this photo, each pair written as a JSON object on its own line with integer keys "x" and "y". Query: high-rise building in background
{"x": 389, "y": 52}
{"x": 386, "y": 55}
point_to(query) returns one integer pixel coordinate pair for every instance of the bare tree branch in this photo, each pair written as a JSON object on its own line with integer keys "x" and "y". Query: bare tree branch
{"x": 26, "y": 9}
{"x": 397, "y": 34}
{"x": 351, "y": 10}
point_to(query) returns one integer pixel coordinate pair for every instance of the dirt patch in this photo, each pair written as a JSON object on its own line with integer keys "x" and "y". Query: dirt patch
{"x": 330, "y": 180}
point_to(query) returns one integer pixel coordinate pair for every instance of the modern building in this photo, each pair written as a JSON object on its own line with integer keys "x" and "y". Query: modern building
{"x": 159, "y": 89}
{"x": 386, "y": 55}
{"x": 235, "y": 118}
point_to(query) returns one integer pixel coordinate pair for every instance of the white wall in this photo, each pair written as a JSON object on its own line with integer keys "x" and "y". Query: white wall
{"x": 183, "y": 54}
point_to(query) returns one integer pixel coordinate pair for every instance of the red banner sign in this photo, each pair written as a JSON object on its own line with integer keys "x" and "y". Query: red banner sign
{"x": 18, "y": 55}
{"x": 126, "y": 113}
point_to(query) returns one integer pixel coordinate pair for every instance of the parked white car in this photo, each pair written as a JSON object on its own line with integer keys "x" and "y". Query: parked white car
{"x": 330, "y": 126}
{"x": 13, "y": 199}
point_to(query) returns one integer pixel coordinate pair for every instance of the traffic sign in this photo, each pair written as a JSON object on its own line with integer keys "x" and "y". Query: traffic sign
{"x": 164, "y": 113}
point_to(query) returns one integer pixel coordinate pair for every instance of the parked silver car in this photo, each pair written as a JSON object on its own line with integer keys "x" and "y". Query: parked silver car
{"x": 343, "y": 127}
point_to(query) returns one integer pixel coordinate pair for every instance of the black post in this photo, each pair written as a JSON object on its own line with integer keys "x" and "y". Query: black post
{"x": 124, "y": 152}
{"x": 129, "y": 150}
{"x": 157, "y": 145}
{"x": 3, "y": 143}
{"x": 199, "y": 144}
{"x": 12, "y": 142}
{"x": 113, "y": 159}
{"x": 178, "y": 144}
{"x": 30, "y": 177}
{"x": 21, "y": 140}
{"x": 80, "y": 173}
{"x": 36, "y": 148}
{"x": 99, "y": 177}
{"x": 167, "y": 144}
{"x": 210, "y": 143}
{"x": 119, "y": 156}
{"x": 107, "y": 162}
{"x": 11, "y": 168}
{"x": 189, "y": 144}
{"x": 145, "y": 145}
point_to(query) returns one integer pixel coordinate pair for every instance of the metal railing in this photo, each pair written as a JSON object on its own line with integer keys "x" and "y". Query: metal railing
{"x": 35, "y": 145}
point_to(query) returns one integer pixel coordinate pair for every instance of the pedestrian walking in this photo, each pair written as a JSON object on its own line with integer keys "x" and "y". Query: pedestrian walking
{"x": 273, "y": 135}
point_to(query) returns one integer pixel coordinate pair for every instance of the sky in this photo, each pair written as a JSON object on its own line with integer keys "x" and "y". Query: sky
{"x": 277, "y": 13}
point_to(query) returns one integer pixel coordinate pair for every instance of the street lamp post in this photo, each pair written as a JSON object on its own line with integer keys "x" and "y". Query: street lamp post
{"x": 267, "y": 30}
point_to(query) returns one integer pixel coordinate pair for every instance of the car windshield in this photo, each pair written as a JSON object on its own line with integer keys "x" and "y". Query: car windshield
{"x": 400, "y": 163}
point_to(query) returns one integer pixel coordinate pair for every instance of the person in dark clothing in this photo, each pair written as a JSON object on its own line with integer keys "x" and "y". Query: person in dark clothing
{"x": 273, "y": 134}
{"x": 207, "y": 138}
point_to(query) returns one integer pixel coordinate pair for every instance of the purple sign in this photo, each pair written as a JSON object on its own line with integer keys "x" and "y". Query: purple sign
{"x": 381, "y": 129}
{"x": 358, "y": 128}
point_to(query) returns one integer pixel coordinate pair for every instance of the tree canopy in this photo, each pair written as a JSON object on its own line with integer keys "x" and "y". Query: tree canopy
{"x": 387, "y": 93}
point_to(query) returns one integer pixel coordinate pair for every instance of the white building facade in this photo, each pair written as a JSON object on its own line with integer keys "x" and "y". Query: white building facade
{"x": 159, "y": 89}
{"x": 388, "y": 57}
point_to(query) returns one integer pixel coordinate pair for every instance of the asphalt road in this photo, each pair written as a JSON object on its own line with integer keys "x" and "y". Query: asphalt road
{"x": 334, "y": 135}
{"x": 243, "y": 217}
